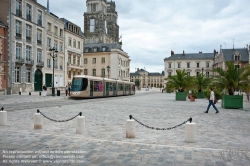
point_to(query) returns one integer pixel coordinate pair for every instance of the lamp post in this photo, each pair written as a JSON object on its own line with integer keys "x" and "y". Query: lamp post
{"x": 202, "y": 70}
{"x": 53, "y": 55}
{"x": 108, "y": 69}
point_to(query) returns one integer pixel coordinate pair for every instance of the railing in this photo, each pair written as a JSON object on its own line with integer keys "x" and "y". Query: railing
{"x": 18, "y": 35}
{"x": 29, "y": 61}
{"x": 18, "y": 13}
{"x": 19, "y": 60}
{"x": 28, "y": 17}
{"x": 39, "y": 22}
{"x": 28, "y": 39}
{"x": 39, "y": 42}
{"x": 48, "y": 66}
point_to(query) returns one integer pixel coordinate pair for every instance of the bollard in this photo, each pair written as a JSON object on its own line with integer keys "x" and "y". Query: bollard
{"x": 19, "y": 93}
{"x": 80, "y": 124}
{"x": 38, "y": 121}
{"x": 29, "y": 93}
{"x": 130, "y": 128}
{"x": 190, "y": 132}
{"x": 3, "y": 117}
{"x": 40, "y": 93}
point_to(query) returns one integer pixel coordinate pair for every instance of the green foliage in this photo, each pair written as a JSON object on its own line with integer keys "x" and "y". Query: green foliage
{"x": 137, "y": 83}
{"x": 206, "y": 93}
{"x": 201, "y": 82}
{"x": 194, "y": 93}
{"x": 180, "y": 81}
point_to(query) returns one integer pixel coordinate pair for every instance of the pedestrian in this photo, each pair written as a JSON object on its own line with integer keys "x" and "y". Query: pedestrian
{"x": 211, "y": 101}
{"x": 66, "y": 90}
{"x": 44, "y": 90}
{"x": 69, "y": 90}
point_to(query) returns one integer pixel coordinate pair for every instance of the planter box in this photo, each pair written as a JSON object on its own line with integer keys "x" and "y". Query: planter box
{"x": 181, "y": 96}
{"x": 168, "y": 91}
{"x": 232, "y": 101}
{"x": 200, "y": 95}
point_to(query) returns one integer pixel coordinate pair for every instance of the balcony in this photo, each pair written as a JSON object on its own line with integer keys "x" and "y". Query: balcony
{"x": 18, "y": 13}
{"x": 28, "y": 39}
{"x": 29, "y": 61}
{"x": 19, "y": 60}
{"x": 40, "y": 63}
{"x": 48, "y": 66}
{"x": 18, "y": 36}
{"x": 39, "y": 42}
{"x": 28, "y": 17}
{"x": 39, "y": 22}
{"x": 55, "y": 67}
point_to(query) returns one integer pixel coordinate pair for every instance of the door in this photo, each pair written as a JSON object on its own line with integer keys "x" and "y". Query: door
{"x": 107, "y": 88}
{"x": 38, "y": 80}
{"x": 48, "y": 80}
{"x": 91, "y": 89}
{"x": 114, "y": 89}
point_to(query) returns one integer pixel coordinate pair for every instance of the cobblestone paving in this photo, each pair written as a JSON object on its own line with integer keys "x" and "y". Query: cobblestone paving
{"x": 221, "y": 139}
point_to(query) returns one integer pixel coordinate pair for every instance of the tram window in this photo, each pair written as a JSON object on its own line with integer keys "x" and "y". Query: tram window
{"x": 79, "y": 84}
{"x": 120, "y": 87}
{"x": 110, "y": 87}
{"x": 97, "y": 86}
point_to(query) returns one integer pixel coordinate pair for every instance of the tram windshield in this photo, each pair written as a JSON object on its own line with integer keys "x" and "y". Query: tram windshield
{"x": 79, "y": 84}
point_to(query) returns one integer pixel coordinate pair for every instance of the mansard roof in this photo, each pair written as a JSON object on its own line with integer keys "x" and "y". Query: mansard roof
{"x": 191, "y": 56}
{"x": 141, "y": 71}
{"x": 108, "y": 47}
{"x": 228, "y": 54}
{"x": 66, "y": 22}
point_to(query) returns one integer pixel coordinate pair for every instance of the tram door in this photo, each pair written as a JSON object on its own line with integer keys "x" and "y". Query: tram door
{"x": 107, "y": 88}
{"x": 114, "y": 89}
{"x": 91, "y": 89}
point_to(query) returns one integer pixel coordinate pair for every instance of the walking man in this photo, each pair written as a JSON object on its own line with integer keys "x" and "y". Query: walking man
{"x": 211, "y": 101}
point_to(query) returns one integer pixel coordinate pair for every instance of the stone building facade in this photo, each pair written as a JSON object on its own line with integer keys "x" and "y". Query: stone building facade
{"x": 3, "y": 56}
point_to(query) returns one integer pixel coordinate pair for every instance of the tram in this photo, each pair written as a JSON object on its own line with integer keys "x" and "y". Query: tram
{"x": 84, "y": 86}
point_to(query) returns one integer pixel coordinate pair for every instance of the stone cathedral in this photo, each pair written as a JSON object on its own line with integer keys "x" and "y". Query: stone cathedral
{"x": 100, "y": 22}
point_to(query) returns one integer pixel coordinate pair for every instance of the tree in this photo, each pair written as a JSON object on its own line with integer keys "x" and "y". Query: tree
{"x": 245, "y": 81}
{"x": 180, "y": 81}
{"x": 201, "y": 82}
{"x": 137, "y": 83}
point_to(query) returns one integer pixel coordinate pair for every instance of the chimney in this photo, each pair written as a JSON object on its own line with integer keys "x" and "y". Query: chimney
{"x": 215, "y": 52}
{"x": 183, "y": 53}
{"x": 247, "y": 46}
{"x": 48, "y": 6}
{"x": 172, "y": 52}
{"x": 137, "y": 69}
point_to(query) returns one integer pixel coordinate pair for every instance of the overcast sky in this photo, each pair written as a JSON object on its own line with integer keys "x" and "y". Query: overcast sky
{"x": 150, "y": 29}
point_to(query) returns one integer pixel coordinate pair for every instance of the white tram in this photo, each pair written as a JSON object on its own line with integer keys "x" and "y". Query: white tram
{"x": 84, "y": 86}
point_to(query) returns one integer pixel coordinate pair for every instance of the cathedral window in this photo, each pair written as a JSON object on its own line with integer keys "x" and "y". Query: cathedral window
{"x": 92, "y": 25}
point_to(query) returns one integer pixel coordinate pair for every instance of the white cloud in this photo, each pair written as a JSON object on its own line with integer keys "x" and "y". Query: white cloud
{"x": 150, "y": 29}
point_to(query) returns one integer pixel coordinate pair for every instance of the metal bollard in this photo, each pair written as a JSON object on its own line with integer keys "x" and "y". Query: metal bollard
{"x": 29, "y": 93}
{"x": 80, "y": 124}
{"x": 20, "y": 93}
{"x": 130, "y": 128}
{"x": 38, "y": 121}
{"x": 190, "y": 132}
{"x": 3, "y": 117}
{"x": 40, "y": 93}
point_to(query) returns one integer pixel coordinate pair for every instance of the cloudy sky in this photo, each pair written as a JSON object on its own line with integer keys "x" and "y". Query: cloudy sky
{"x": 150, "y": 29}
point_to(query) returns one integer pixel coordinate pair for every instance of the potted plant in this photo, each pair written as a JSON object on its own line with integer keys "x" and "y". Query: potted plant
{"x": 245, "y": 81}
{"x": 201, "y": 82}
{"x": 229, "y": 80}
{"x": 181, "y": 81}
{"x": 193, "y": 95}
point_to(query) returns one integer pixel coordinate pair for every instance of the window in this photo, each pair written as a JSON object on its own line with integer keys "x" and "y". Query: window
{"x": 120, "y": 87}
{"x": 207, "y": 64}
{"x": 55, "y": 30}
{"x": 18, "y": 29}
{"x": 92, "y": 25}
{"x": 39, "y": 56}
{"x": 74, "y": 60}
{"x": 97, "y": 86}
{"x": 28, "y": 53}
{"x": 197, "y": 74}
{"x": 28, "y": 32}
{"x": 237, "y": 66}
{"x": 79, "y": 45}
{"x": 48, "y": 42}
{"x": 95, "y": 49}
{"x": 103, "y": 49}
{"x": 103, "y": 60}
{"x": 103, "y": 72}
{"x": 237, "y": 57}
{"x": 69, "y": 59}
{"x": 93, "y": 7}
{"x": 94, "y": 60}
{"x": 74, "y": 43}
{"x": 55, "y": 45}
{"x": 39, "y": 18}
{"x": 94, "y": 72}
{"x": 17, "y": 74}
{"x": 188, "y": 65}
{"x": 69, "y": 41}
{"x": 85, "y": 71}
{"x": 197, "y": 65}
{"x": 78, "y": 61}
{"x": 179, "y": 65}
{"x": 39, "y": 37}
{"x": 18, "y": 8}
{"x": 28, "y": 12}
{"x": 169, "y": 73}
{"x": 49, "y": 26}
{"x": 207, "y": 74}
{"x": 18, "y": 52}
{"x": 55, "y": 64}
{"x": 61, "y": 47}
{"x": 85, "y": 61}
{"x": 61, "y": 32}
{"x": 169, "y": 65}
{"x": 28, "y": 75}
{"x": 48, "y": 63}
{"x": 188, "y": 73}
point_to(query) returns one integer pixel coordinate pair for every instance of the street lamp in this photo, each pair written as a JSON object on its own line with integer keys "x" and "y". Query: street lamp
{"x": 108, "y": 69}
{"x": 53, "y": 55}
{"x": 202, "y": 70}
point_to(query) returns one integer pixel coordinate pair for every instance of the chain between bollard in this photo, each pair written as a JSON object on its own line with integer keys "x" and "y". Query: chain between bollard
{"x": 2, "y": 109}
{"x": 156, "y": 128}
{"x": 80, "y": 114}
